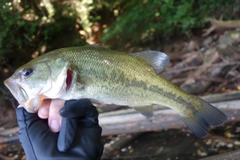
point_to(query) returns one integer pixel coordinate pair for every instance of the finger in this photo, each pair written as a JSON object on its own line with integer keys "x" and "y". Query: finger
{"x": 54, "y": 119}
{"x": 43, "y": 112}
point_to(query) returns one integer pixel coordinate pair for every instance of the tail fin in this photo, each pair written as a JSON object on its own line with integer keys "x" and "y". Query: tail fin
{"x": 207, "y": 116}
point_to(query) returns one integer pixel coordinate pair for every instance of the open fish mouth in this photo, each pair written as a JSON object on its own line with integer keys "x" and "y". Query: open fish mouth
{"x": 18, "y": 92}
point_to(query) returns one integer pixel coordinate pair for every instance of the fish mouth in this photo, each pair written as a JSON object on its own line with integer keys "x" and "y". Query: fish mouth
{"x": 21, "y": 95}
{"x": 17, "y": 91}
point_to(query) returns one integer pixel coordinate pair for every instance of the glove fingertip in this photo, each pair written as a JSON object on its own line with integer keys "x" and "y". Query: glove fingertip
{"x": 62, "y": 148}
{"x": 66, "y": 134}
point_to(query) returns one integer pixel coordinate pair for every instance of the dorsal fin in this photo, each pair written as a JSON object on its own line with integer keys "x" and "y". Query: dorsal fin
{"x": 158, "y": 60}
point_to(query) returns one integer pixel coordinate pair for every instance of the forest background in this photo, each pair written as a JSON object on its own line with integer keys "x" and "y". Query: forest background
{"x": 202, "y": 38}
{"x": 35, "y": 26}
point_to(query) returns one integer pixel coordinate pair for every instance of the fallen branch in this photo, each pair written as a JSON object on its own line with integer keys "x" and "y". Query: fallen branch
{"x": 128, "y": 121}
{"x": 230, "y": 155}
{"x": 8, "y": 131}
{"x": 5, "y": 157}
{"x": 193, "y": 86}
{"x": 220, "y": 25}
{"x": 5, "y": 139}
{"x": 206, "y": 78}
{"x": 221, "y": 97}
{"x": 223, "y": 64}
{"x": 118, "y": 142}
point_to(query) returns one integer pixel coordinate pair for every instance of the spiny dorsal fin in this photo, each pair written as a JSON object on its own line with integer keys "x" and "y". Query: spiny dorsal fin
{"x": 158, "y": 60}
{"x": 145, "y": 110}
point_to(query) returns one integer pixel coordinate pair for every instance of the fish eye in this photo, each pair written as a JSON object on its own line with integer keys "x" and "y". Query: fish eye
{"x": 26, "y": 72}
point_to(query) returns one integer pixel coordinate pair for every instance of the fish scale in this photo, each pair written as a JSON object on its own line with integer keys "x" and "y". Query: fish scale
{"x": 111, "y": 77}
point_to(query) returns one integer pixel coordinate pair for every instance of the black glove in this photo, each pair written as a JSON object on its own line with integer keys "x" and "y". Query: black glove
{"x": 79, "y": 136}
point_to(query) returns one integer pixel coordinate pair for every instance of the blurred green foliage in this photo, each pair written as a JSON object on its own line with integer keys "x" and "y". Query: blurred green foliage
{"x": 42, "y": 25}
{"x": 142, "y": 21}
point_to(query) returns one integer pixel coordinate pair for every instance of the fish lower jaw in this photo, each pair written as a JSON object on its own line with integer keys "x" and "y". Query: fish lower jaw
{"x": 32, "y": 109}
{"x": 28, "y": 106}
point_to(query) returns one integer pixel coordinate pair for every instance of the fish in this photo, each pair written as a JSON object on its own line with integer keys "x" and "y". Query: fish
{"x": 110, "y": 77}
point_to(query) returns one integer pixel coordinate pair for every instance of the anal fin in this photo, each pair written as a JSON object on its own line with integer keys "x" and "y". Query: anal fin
{"x": 145, "y": 110}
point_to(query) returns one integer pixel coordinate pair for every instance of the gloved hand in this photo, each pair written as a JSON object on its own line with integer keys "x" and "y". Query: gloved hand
{"x": 79, "y": 136}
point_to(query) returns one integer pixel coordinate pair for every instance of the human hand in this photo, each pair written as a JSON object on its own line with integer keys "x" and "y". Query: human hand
{"x": 79, "y": 136}
{"x": 50, "y": 110}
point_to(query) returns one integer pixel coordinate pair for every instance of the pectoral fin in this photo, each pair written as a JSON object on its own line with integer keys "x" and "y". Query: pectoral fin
{"x": 145, "y": 110}
{"x": 86, "y": 81}
{"x": 83, "y": 82}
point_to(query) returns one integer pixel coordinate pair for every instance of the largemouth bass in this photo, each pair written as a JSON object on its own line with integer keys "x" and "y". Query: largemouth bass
{"x": 109, "y": 77}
